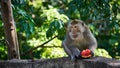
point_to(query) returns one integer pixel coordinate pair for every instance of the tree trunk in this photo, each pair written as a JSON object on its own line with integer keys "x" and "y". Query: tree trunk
{"x": 9, "y": 29}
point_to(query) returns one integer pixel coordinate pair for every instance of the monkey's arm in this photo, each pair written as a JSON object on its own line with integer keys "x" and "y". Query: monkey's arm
{"x": 93, "y": 46}
{"x": 72, "y": 51}
{"x": 92, "y": 43}
{"x": 65, "y": 47}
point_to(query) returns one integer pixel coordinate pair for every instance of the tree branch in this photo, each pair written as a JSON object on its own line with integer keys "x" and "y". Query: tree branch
{"x": 42, "y": 45}
{"x": 50, "y": 46}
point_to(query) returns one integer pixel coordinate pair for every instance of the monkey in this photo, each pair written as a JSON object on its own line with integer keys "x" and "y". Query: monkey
{"x": 78, "y": 38}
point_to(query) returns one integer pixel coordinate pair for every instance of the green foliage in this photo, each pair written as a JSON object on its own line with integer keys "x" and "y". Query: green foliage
{"x": 3, "y": 48}
{"x": 53, "y": 52}
{"x": 24, "y": 20}
{"x": 3, "y": 51}
{"x": 38, "y": 21}
{"x": 56, "y": 28}
{"x": 89, "y": 9}
{"x": 57, "y": 21}
{"x": 53, "y": 13}
{"x": 102, "y": 52}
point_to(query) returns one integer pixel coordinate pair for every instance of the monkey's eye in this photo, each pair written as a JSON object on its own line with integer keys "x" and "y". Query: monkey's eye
{"x": 76, "y": 27}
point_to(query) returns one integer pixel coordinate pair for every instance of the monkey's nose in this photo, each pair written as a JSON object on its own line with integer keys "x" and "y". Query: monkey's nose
{"x": 74, "y": 32}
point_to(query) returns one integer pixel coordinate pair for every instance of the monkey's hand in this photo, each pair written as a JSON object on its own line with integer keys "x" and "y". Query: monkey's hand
{"x": 87, "y": 53}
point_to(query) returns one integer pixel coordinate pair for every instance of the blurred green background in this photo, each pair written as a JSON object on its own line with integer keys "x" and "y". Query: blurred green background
{"x": 38, "y": 21}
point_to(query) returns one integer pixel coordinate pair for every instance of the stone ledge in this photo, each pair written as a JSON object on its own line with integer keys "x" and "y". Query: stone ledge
{"x": 95, "y": 62}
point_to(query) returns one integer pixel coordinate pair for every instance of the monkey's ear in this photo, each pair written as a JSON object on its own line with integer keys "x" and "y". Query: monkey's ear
{"x": 83, "y": 24}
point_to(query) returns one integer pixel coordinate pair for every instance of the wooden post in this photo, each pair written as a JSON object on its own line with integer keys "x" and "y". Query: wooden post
{"x": 9, "y": 29}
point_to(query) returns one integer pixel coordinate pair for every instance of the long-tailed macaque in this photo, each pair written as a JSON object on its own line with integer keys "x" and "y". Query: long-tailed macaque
{"x": 78, "y": 38}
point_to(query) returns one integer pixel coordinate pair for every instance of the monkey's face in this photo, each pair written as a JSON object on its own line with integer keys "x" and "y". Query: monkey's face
{"x": 76, "y": 29}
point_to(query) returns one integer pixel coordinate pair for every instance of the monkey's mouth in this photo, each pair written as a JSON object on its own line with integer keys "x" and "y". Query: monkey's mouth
{"x": 74, "y": 36}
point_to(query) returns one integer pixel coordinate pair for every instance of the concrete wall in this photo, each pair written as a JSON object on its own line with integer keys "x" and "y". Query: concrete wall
{"x": 95, "y": 62}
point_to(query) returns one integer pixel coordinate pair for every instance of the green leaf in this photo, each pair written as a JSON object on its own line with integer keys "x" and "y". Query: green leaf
{"x": 56, "y": 28}
{"x": 112, "y": 41}
{"x": 22, "y": 12}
